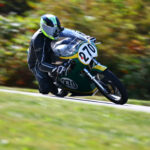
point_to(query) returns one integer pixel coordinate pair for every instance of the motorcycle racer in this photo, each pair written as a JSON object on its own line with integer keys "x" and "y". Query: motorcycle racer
{"x": 40, "y": 53}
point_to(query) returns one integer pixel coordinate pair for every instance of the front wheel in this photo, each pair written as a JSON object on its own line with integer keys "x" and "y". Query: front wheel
{"x": 113, "y": 89}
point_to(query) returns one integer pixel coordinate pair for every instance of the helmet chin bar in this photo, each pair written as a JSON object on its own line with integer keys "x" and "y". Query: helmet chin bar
{"x": 61, "y": 29}
{"x": 57, "y": 32}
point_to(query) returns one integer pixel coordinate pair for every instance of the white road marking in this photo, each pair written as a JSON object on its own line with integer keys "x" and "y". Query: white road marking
{"x": 85, "y": 101}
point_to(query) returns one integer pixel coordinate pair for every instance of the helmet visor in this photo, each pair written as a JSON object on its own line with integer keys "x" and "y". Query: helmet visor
{"x": 51, "y": 31}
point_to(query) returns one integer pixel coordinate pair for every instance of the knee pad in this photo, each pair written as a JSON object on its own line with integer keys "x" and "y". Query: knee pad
{"x": 44, "y": 91}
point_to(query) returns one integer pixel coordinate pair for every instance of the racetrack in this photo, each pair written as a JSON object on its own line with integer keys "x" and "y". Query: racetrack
{"x": 86, "y": 101}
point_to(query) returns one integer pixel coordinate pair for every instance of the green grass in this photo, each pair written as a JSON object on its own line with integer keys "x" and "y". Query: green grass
{"x": 32, "y": 123}
{"x": 19, "y": 89}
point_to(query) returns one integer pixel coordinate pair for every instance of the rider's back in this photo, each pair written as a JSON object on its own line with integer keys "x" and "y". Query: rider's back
{"x": 38, "y": 41}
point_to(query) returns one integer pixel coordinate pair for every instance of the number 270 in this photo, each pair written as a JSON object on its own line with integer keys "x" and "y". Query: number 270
{"x": 88, "y": 49}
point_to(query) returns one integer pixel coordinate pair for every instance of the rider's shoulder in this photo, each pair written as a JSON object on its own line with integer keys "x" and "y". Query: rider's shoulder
{"x": 38, "y": 34}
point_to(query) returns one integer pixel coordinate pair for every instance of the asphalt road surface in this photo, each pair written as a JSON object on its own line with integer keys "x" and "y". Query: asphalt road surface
{"x": 86, "y": 101}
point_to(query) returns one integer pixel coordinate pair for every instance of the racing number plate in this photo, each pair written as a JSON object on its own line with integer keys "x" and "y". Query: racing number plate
{"x": 86, "y": 53}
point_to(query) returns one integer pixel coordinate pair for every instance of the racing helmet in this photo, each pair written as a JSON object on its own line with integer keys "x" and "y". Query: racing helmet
{"x": 50, "y": 26}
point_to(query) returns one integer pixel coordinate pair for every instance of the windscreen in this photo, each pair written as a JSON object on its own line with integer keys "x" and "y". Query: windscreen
{"x": 66, "y": 45}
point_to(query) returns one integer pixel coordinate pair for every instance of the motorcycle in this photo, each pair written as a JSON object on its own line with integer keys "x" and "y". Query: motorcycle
{"x": 85, "y": 75}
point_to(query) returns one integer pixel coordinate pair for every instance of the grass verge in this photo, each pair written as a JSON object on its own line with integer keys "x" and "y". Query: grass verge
{"x": 32, "y": 123}
{"x": 19, "y": 89}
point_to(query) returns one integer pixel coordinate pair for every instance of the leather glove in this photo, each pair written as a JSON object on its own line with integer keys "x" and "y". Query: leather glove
{"x": 58, "y": 70}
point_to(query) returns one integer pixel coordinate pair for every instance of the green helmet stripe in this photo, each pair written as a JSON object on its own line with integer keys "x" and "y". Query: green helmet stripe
{"x": 53, "y": 20}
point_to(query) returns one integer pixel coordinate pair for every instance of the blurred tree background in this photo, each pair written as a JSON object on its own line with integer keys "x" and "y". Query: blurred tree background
{"x": 123, "y": 27}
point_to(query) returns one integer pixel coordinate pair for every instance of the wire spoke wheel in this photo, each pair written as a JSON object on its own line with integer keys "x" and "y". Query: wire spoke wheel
{"x": 114, "y": 90}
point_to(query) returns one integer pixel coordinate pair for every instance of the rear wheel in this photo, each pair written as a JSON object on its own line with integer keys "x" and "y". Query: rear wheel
{"x": 113, "y": 89}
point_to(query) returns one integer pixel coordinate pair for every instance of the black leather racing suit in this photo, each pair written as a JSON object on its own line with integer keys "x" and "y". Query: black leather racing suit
{"x": 39, "y": 61}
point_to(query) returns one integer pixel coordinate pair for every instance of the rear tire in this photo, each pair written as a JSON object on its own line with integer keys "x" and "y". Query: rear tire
{"x": 116, "y": 92}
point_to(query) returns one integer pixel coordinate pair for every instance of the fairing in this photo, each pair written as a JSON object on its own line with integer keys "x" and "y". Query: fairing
{"x": 66, "y": 44}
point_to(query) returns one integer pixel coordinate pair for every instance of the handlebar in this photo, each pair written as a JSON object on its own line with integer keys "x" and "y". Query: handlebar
{"x": 98, "y": 43}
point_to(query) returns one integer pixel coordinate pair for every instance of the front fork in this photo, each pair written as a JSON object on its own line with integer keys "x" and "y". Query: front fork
{"x": 100, "y": 68}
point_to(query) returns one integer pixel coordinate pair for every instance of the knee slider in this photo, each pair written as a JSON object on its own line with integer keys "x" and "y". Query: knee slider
{"x": 44, "y": 91}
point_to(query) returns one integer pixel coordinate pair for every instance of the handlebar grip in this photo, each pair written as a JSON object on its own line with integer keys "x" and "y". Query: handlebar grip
{"x": 66, "y": 64}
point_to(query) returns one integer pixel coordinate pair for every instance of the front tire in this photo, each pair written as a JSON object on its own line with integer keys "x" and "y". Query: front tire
{"x": 114, "y": 89}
